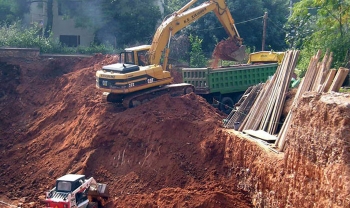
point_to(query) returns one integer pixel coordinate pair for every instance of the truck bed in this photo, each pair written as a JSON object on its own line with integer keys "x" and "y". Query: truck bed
{"x": 230, "y": 79}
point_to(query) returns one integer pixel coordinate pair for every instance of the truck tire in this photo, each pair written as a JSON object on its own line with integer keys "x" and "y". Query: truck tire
{"x": 188, "y": 90}
{"x": 226, "y": 105}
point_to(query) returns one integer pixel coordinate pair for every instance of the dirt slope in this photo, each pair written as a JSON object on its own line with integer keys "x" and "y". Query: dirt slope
{"x": 170, "y": 152}
{"x": 164, "y": 153}
{"x": 314, "y": 171}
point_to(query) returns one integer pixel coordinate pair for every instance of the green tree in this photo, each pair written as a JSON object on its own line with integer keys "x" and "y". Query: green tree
{"x": 277, "y": 10}
{"x": 249, "y": 21}
{"x": 320, "y": 24}
{"x": 197, "y": 58}
{"x": 136, "y": 22}
{"x": 12, "y": 10}
{"x": 49, "y": 10}
{"x": 249, "y": 26}
{"x": 170, "y": 6}
{"x": 122, "y": 22}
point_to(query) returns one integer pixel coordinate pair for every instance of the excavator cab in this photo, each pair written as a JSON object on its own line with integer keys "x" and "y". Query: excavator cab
{"x": 135, "y": 55}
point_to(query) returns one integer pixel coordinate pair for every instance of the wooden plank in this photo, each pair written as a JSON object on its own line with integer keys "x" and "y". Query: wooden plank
{"x": 327, "y": 83}
{"x": 275, "y": 91}
{"x": 282, "y": 97}
{"x": 320, "y": 69}
{"x": 244, "y": 108}
{"x": 328, "y": 67}
{"x": 312, "y": 70}
{"x": 261, "y": 135}
{"x": 339, "y": 79}
{"x": 253, "y": 119}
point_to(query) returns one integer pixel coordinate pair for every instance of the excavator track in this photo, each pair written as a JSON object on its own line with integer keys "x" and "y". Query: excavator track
{"x": 140, "y": 97}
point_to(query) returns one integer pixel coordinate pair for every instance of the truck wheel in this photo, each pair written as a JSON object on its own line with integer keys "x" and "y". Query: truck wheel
{"x": 188, "y": 90}
{"x": 226, "y": 105}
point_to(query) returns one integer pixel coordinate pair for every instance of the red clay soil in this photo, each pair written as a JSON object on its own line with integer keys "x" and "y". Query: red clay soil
{"x": 314, "y": 171}
{"x": 164, "y": 153}
{"x": 169, "y": 152}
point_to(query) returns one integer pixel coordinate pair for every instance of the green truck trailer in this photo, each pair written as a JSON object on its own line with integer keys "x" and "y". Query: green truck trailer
{"x": 224, "y": 86}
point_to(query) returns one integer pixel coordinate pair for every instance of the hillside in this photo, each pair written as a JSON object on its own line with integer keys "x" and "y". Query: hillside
{"x": 169, "y": 152}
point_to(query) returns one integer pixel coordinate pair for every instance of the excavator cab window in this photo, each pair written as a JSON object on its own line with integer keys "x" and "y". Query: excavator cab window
{"x": 127, "y": 58}
{"x": 141, "y": 56}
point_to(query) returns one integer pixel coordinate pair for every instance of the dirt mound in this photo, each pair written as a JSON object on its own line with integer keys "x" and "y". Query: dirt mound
{"x": 169, "y": 152}
{"x": 53, "y": 123}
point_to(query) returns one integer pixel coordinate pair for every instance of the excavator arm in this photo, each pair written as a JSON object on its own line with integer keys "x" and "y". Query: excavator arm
{"x": 186, "y": 16}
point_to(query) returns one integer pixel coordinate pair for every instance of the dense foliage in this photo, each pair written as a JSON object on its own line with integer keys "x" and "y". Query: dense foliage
{"x": 131, "y": 22}
{"x": 320, "y": 24}
{"x": 12, "y": 10}
{"x": 122, "y": 22}
{"x": 15, "y": 35}
{"x": 313, "y": 25}
{"x": 248, "y": 16}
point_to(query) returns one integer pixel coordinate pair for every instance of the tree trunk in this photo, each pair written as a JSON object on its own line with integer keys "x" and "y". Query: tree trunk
{"x": 48, "y": 27}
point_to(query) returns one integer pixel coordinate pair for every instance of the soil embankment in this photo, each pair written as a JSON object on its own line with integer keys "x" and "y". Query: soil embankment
{"x": 168, "y": 152}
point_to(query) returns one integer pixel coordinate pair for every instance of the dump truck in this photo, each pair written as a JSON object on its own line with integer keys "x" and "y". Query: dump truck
{"x": 224, "y": 86}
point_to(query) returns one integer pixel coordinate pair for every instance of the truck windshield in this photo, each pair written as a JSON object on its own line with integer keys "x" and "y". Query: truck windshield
{"x": 127, "y": 58}
{"x": 64, "y": 186}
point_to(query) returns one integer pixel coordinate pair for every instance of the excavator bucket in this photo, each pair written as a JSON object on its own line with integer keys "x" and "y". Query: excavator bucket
{"x": 229, "y": 49}
{"x": 99, "y": 193}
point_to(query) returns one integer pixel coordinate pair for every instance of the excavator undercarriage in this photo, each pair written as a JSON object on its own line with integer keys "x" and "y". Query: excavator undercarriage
{"x": 140, "y": 97}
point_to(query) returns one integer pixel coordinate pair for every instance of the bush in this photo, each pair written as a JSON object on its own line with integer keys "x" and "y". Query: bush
{"x": 197, "y": 57}
{"x": 15, "y": 35}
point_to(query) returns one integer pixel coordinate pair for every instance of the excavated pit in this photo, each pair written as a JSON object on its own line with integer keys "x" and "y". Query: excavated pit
{"x": 169, "y": 152}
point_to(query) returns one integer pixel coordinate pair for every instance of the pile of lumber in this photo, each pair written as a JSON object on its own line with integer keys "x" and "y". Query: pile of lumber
{"x": 235, "y": 118}
{"x": 265, "y": 113}
{"x": 318, "y": 78}
{"x": 261, "y": 110}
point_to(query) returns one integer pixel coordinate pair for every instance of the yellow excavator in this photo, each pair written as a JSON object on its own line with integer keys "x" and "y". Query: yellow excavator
{"x": 140, "y": 77}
